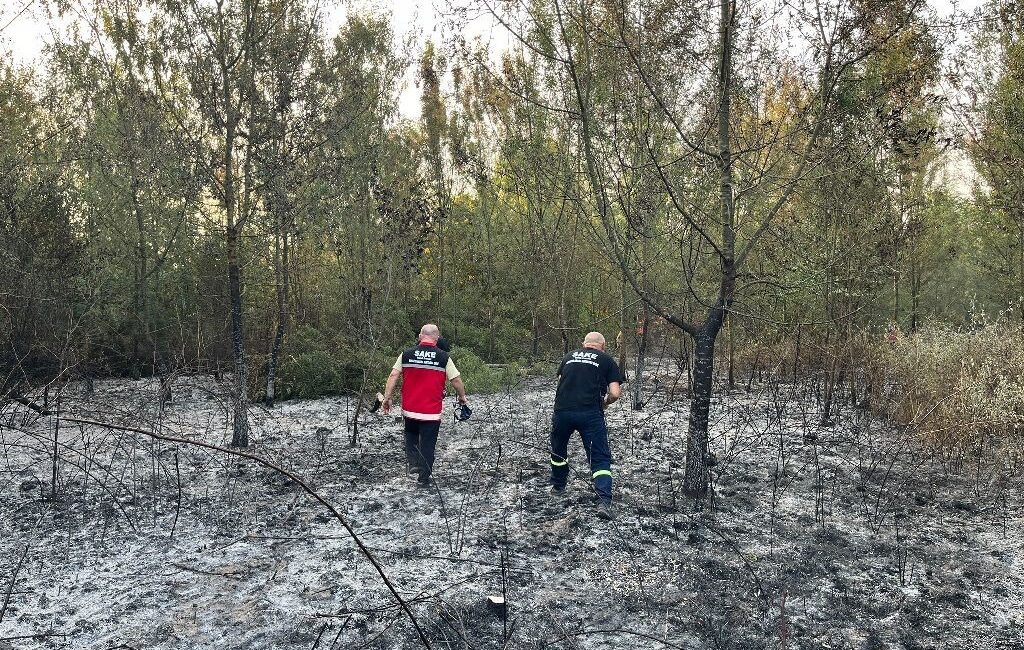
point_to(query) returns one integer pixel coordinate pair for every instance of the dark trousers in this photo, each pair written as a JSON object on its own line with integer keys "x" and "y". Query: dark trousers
{"x": 420, "y": 441}
{"x": 592, "y": 429}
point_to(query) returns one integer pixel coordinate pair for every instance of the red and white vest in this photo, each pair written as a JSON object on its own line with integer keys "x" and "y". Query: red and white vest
{"x": 423, "y": 378}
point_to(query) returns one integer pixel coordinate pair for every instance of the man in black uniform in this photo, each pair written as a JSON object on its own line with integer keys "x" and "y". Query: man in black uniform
{"x": 588, "y": 381}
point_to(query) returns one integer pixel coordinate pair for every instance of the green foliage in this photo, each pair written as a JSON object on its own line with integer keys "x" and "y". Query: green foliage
{"x": 311, "y": 374}
{"x": 480, "y": 377}
{"x": 479, "y": 216}
{"x": 318, "y": 363}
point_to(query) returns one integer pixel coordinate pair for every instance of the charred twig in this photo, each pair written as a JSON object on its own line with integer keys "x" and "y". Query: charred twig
{"x": 566, "y": 636}
{"x": 10, "y": 586}
{"x": 41, "y": 635}
{"x": 177, "y": 507}
{"x": 323, "y": 628}
{"x": 24, "y": 401}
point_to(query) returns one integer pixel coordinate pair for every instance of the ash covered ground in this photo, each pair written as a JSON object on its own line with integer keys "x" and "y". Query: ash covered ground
{"x": 843, "y": 536}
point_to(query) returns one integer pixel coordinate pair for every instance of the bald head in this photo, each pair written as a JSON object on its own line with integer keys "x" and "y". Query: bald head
{"x": 594, "y": 340}
{"x": 430, "y": 332}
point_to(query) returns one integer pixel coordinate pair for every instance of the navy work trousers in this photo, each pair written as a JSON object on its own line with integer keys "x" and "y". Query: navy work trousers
{"x": 594, "y": 432}
{"x": 420, "y": 441}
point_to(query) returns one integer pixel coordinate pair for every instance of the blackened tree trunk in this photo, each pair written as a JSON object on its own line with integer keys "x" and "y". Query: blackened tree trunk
{"x": 831, "y": 381}
{"x": 713, "y": 229}
{"x": 144, "y": 346}
{"x": 240, "y": 396}
{"x": 642, "y": 339}
{"x": 280, "y": 207}
{"x": 281, "y": 277}
{"x": 697, "y": 478}
{"x": 732, "y": 352}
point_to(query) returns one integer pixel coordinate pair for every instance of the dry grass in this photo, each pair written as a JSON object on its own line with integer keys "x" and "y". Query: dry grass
{"x": 958, "y": 390}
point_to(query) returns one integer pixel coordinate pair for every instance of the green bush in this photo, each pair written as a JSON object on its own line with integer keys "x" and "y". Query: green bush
{"x": 315, "y": 365}
{"x": 310, "y": 374}
{"x": 540, "y": 368}
{"x": 478, "y": 376}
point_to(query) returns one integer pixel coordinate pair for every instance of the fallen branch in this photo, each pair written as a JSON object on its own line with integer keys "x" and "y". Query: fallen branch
{"x": 24, "y": 401}
{"x": 41, "y": 635}
{"x": 298, "y": 481}
{"x": 14, "y": 578}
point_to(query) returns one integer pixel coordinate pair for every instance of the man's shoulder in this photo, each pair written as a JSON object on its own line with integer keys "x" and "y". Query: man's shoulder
{"x": 605, "y": 356}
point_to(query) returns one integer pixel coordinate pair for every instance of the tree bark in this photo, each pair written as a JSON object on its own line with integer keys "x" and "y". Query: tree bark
{"x": 697, "y": 479}
{"x": 277, "y": 198}
{"x": 144, "y": 347}
{"x": 642, "y": 338}
{"x": 281, "y": 275}
{"x": 240, "y": 396}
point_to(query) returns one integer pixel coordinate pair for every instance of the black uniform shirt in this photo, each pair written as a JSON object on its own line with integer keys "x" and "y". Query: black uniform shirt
{"x": 584, "y": 376}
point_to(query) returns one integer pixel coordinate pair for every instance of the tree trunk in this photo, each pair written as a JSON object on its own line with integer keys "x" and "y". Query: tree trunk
{"x": 535, "y": 343}
{"x": 144, "y": 346}
{"x": 620, "y": 349}
{"x": 697, "y": 478}
{"x": 563, "y": 328}
{"x": 281, "y": 273}
{"x": 240, "y": 397}
{"x": 831, "y": 381}
{"x": 277, "y": 198}
{"x": 796, "y": 353}
{"x": 915, "y": 294}
{"x": 688, "y": 363}
{"x": 641, "y": 358}
{"x": 732, "y": 355}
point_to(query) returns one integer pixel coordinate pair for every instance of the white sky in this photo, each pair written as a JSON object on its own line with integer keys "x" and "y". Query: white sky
{"x": 26, "y": 26}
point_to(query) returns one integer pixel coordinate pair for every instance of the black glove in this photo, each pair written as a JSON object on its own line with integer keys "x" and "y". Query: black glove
{"x": 463, "y": 412}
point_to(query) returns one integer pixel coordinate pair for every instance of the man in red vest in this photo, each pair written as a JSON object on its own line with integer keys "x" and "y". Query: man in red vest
{"x": 424, "y": 370}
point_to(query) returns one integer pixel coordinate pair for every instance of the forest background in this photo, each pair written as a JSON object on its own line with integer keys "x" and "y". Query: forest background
{"x": 232, "y": 187}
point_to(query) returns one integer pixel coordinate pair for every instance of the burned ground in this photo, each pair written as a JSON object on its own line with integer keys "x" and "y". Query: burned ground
{"x": 842, "y": 536}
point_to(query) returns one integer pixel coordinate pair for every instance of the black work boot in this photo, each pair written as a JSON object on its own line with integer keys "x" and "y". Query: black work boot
{"x": 604, "y": 511}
